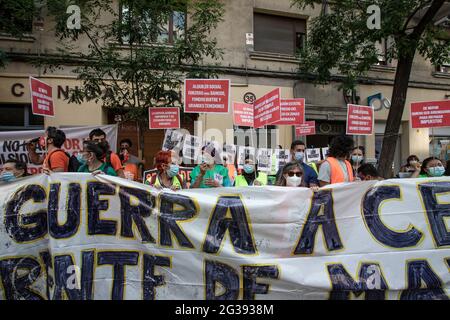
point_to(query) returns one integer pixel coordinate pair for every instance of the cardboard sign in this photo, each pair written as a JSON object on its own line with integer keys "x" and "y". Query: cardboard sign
{"x": 191, "y": 148}
{"x": 164, "y": 118}
{"x": 306, "y": 129}
{"x": 41, "y": 98}
{"x": 206, "y": 95}
{"x": 312, "y": 155}
{"x": 267, "y": 109}
{"x": 360, "y": 120}
{"x": 431, "y": 114}
{"x": 264, "y": 157}
{"x": 281, "y": 157}
{"x": 292, "y": 112}
{"x": 242, "y": 114}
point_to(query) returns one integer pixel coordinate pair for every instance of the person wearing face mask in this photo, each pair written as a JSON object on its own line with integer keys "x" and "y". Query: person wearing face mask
{"x": 298, "y": 154}
{"x": 411, "y": 163}
{"x": 208, "y": 174}
{"x": 167, "y": 176}
{"x": 12, "y": 170}
{"x": 431, "y": 167}
{"x": 55, "y": 159}
{"x": 292, "y": 175}
{"x": 91, "y": 159}
{"x": 99, "y": 136}
{"x": 357, "y": 158}
{"x": 250, "y": 175}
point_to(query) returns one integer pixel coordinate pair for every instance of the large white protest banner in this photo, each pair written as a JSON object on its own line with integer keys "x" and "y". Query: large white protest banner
{"x": 13, "y": 143}
{"x": 77, "y": 236}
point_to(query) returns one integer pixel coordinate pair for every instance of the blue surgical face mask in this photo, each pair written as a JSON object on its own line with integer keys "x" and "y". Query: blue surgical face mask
{"x": 7, "y": 176}
{"x": 249, "y": 169}
{"x": 436, "y": 171}
{"x": 173, "y": 170}
{"x": 357, "y": 159}
{"x": 81, "y": 159}
{"x": 299, "y": 156}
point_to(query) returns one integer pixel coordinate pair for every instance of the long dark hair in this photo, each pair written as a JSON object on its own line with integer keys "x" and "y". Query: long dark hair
{"x": 288, "y": 167}
{"x": 98, "y": 149}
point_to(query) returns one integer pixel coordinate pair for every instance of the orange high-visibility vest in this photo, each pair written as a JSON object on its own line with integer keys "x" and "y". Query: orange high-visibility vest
{"x": 336, "y": 173}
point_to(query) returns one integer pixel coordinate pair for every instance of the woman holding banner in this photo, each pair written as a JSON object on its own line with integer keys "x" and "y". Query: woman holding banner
{"x": 250, "y": 175}
{"x": 167, "y": 176}
{"x": 91, "y": 157}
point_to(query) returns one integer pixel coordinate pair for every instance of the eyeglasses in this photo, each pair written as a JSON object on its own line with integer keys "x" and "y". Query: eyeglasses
{"x": 291, "y": 174}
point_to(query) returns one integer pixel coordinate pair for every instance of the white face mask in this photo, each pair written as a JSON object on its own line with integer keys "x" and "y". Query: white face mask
{"x": 293, "y": 181}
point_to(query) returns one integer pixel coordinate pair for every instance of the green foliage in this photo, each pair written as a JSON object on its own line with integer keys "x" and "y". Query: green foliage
{"x": 340, "y": 41}
{"x": 129, "y": 64}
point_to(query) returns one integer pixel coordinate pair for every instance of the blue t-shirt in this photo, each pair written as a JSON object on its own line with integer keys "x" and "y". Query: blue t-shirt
{"x": 309, "y": 175}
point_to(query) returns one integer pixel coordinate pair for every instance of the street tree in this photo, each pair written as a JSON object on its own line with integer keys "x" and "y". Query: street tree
{"x": 342, "y": 46}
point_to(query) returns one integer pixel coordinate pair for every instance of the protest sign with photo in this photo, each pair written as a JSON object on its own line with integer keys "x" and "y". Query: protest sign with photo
{"x": 13, "y": 143}
{"x": 242, "y": 114}
{"x": 244, "y": 152}
{"x": 325, "y": 152}
{"x": 360, "y": 120}
{"x": 191, "y": 148}
{"x": 267, "y": 109}
{"x": 264, "y": 157}
{"x": 121, "y": 240}
{"x": 313, "y": 155}
{"x": 229, "y": 152}
{"x": 292, "y": 112}
{"x": 164, "y": 118}
{"x": 281, "y": 157}
{"x": 206, "y": 95}
{"x": 173, "y": 140}
{"x": 431, "y": 114}
{"x": 41, "y": 98}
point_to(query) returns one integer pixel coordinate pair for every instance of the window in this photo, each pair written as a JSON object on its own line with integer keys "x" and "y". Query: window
{"x": 16, "y": 19}
{"x": 19, "y": 117}
{"x": 147, "y": 32}
{"x": 277, "y": 34}
{"x": 381, "y": 47}
{"x": 445, "y": 68}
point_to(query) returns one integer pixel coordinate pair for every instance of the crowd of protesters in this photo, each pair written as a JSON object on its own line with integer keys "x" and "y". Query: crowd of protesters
{"x": 345, "y": 162}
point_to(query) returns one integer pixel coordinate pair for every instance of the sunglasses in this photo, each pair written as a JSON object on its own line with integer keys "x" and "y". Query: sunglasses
{"x": 291, "y": 174}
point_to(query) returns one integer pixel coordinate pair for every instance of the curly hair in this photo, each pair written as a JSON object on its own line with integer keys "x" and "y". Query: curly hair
{"x": 341, "y": 146}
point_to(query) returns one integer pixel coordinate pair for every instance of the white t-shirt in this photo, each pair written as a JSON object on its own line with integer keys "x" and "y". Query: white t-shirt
{"x": 325, "y": 171}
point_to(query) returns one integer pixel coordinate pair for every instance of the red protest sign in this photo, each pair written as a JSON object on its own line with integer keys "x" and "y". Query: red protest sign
{"x": 164, "y": 118}
{"x": 267, "y": 109}
{"x": 41, "y": 98}
{"x": 431, "y": 114}
{"x": 206, "y": 96}
{"x": 242, "y": 114}
{"x": 292, "y": 112}
{"x": 359, "y": 120}
{"x": 307, "y": 128}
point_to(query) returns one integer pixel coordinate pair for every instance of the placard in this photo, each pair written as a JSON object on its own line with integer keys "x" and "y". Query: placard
{"x": 292, "y": 112}
{"x": 267, "y": 109}
{"x": 431, "y": 114}
{"x": 206, "y": 95}
{"x": 306, "y": 129}
{"x": 360, "y": 120}
{"x": 41, "y": 98}
{"x": 164, "y": 118}
{"x": 242, "y": 114}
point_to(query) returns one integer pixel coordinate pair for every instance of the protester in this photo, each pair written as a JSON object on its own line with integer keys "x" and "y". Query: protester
{"x": 91, "y": 159}
{"x": 12, "y": 170}
{"x": 167, "y": 176}
{"x": 98, "y": 136}
{"x": 368, "y": 172}
{"x": 298, "y": 154}
{"x": 431, "y": 167}
{"x": 250, "y": 176}
{"x": 55, "y": 159}
{"x": 357, "y": 158}
{"x": 336, "y": 168}
{"x": 292, "y": 176}
{"x": 208, "y": 174}
{"x": 411, "y": 163}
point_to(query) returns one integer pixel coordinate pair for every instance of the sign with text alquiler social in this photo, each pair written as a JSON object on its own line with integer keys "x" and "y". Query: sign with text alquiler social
{"x": 430, "y": 114}
{"x": 41, "y": 98}
{"x": 267, "y": 109}
{"x": 206, "y": 95}
{"x": 292, "y": 112}
{"x": 306, "y": 129}
{"x": 359, "y": 120}
{"x": 164, "y": 118}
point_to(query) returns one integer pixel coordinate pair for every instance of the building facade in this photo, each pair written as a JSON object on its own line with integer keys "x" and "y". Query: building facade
{"x": 278, "y": 30}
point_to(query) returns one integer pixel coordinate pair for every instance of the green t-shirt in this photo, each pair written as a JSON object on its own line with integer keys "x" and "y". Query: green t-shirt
{"x": 107, "y": 169}
{"x": 219, "y": 173}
